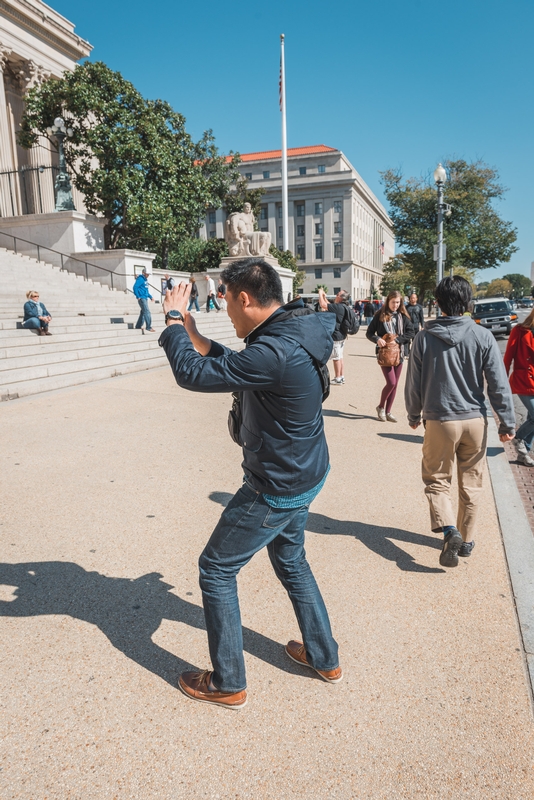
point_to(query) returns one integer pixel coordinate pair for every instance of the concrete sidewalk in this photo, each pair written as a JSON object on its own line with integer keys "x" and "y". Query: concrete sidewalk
{"x": 110, "y": 491}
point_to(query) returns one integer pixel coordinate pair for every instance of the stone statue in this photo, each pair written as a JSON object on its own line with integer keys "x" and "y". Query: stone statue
{"x": 241, "y": 238}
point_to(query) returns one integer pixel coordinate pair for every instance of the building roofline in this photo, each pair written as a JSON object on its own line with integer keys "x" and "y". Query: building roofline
{"x": 266, "y": 155}
{"x": 48, "y": 25}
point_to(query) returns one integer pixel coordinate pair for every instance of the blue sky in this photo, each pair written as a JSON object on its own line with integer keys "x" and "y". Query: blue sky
{"x": 391, "y": 83}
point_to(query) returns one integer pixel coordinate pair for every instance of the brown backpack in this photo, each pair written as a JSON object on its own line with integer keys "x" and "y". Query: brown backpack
{"x": 390, "y": 355}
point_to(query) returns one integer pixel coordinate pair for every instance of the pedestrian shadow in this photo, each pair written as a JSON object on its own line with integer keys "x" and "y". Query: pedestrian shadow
{"x": 128, "y": 611}
{"x": 375, "y": 537}
{"x": 332, "y": 412}
{"x": 360, "y": 355}
{"x": 491, "y": 452}
{"x": 403, "y": 437}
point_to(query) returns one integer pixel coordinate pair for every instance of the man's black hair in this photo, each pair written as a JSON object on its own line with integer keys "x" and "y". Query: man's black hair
{"x": 255, "y": 277}
{"x": 453, "y": 296}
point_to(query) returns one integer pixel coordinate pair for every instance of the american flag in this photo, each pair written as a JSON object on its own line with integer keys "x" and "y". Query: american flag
{"x": 381, "y": 248}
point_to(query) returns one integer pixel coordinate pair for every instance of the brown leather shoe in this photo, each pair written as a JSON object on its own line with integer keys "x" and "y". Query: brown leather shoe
{"x": 197, "y": 686}
{"x": 297, "y": 652}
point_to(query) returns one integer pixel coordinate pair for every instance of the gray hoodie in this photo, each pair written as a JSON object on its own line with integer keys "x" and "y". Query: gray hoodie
{"x": 449, "y": 360}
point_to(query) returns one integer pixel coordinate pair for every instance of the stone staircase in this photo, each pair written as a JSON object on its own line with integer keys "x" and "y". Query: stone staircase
{"x": 93, "y": 330}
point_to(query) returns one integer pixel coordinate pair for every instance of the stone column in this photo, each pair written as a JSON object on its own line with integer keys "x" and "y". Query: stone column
{"x": 9, "y": 200}
{"x": 41, "y": 185}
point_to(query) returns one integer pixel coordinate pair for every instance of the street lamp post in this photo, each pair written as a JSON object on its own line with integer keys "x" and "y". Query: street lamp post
{"x": 440, "y": 176}
{"x": 63, "y": 186}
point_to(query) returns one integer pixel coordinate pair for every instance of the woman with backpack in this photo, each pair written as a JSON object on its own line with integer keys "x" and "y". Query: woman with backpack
{"x": 520, "y": 351}
{"x": 391, "y": 330}
{"x": 193, "y": 297}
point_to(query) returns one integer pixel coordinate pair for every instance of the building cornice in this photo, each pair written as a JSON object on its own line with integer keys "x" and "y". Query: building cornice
{"x": 47, "y": 26}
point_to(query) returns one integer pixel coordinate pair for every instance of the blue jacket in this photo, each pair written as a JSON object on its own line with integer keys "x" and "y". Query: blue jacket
{"x": 140, "y": 288}
{"x": 30, "y": 310}
{"x": 282, "y": 432}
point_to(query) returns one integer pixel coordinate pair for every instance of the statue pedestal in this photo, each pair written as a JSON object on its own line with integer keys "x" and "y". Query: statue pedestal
{"x": 227, "y": 260}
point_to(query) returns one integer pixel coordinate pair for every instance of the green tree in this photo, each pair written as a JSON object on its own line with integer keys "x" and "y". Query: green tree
{"x": 475, "y": 235}
{"x": 521, "y": 285}
{"x": 499, "y": 288}
{"x": 397, "y": 276}
{"x": 287, "y": 260}
{"x": 132, "y": 158}
{"x": 197, "y": 255}
{"x": 320, "y": 286}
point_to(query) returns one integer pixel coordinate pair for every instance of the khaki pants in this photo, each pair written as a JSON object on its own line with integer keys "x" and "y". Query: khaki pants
{"x": 464, "y": 440}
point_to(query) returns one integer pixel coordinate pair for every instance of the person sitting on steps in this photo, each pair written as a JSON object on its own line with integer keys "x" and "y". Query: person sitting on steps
{"x": 36, "y": 317}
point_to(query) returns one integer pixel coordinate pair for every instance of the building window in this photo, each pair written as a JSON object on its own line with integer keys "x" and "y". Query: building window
{"x": 318, "y": 208}
{"x": 213, "y": 234}
{"x": 337, "y": 289}
{"x": 321, "y": 168}
{"x": 338, "y": 206}
{"x": 337, "y": 272}
{"x": 212, "y": 217}
{"x": 318, "y": 274}
{"x": 337, "y": 254}
{"x": 319, "y": 251}
{"x": 300, "y": 230}
{"x": 263, "y": 212}
{"x": 264, "y": 230}
{"x": 337, "y": 227}
{"x": 318, "y": 228}
{"x": 300, "y": 252}
{"x": 279, "y": 212}
{"x": 302, "y": 170}
{"x": 300, "y": 209}
{"x": 248, "y": 176}
{"x": 280, "y": 232}
{"x": 266, "y": 174}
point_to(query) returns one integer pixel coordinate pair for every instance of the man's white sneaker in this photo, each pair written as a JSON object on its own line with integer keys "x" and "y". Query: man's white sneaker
{"x": 525, "y": 459}
{"x": 381, "y": 412}
{"x": 521, "y": 447}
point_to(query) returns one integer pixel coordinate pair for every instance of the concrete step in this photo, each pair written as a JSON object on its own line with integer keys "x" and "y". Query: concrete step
{"x": 73, "y": 352}
{"x": 57, "y": 344}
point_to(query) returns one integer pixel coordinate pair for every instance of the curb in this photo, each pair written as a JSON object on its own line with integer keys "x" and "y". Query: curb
{"x": 518, "y": 541}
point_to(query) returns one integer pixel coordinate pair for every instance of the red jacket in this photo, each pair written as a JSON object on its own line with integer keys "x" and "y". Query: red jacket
{"x": 520, "y": 350}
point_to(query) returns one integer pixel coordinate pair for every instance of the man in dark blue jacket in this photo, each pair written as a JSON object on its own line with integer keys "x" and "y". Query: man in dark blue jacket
{"x": 285, "y": 464}
{"x": 140, "y": 290}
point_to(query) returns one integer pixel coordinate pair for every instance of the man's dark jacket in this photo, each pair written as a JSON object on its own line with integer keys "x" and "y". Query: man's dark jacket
{"x": 417, "y": 315}
{"x": 282, "y": 432}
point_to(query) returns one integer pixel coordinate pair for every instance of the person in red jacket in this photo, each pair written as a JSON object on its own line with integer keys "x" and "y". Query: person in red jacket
{"x": 520, "y": 351}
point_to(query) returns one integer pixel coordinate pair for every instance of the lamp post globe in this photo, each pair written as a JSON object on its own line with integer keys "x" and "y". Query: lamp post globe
{"x": 440, "y": 176}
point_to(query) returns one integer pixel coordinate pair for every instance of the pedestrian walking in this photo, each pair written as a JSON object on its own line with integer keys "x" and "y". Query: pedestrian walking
{"x": 193, "y": 297}
{"x": 140, "y": 290}
{"x": 451, "y": 357}
{"x": 277, "y": 419}
{"x": 221, "y": 294}
{"x": 36, "y": 316}
{"x": 415, "y": 310}
{"x": 211, "y": 295}
{"x": 391, "y": 330}
{"x": 345, "y": 322}
{"x": 520, "y": 353}
{"x": 368, "y": 312}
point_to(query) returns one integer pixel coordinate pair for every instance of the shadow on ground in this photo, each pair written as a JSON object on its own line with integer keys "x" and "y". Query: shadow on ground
{"x": 376, "y": 537}
{"x": 403, "y": 437}
{"x": 127, "y": 611}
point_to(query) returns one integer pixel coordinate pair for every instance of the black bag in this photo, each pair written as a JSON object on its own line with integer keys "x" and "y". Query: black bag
{"x": 235, "y": 415}
{"x": 351, "y": 322}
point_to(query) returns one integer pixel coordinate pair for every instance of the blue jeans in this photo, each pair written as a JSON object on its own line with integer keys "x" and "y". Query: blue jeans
{"x": 195, "y": 301}
{"x": 526, "y": 430}
{"x": 246, "y": 526}
{"x": 145, "y": 314}
{"x": 34, "y": 322}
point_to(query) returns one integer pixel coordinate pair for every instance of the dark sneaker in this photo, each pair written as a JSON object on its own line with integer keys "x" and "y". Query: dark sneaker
{"x": 196, "y": 685}
{"x": 297, "y": 652}
{"x": 451, "y": 545}
{"x": 466, "y": 549}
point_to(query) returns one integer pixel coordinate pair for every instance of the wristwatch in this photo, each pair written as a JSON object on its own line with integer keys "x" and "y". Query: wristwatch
{"x": 174, "y": 315}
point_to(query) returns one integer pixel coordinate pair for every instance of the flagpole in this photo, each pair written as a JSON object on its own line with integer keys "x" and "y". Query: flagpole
{"x": 285, "y": 221}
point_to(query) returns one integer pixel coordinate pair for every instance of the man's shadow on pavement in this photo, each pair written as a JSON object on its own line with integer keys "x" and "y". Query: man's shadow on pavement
{"x": 375, "y": 537}
{"x": 127, "y": 611}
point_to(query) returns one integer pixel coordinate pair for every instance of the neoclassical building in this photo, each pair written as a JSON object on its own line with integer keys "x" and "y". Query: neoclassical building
{"x": 35, "y": 43}
{"x": 338, "y": 229}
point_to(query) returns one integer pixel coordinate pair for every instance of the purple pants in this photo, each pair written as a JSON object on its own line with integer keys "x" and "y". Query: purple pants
{"x": 392, "y": 376}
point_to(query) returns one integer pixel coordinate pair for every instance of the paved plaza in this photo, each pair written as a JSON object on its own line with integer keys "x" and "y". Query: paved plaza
{"x": 109, "y": 492}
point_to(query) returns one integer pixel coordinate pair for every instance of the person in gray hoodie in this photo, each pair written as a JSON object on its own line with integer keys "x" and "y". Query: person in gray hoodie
{"x": 449, "y": 361}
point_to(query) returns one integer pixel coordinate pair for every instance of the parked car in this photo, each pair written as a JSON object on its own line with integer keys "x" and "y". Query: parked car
{"x": 496, "y": 314}
{"x": 526, "y": 302}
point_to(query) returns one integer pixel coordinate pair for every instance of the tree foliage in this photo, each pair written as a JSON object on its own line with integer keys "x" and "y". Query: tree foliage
{"x": 521, "y": 285}
{"x": 132, "y": 158}
{"x": 499, "y": 288}
{"x": 475, "y": 235}
{"x": 197, "y": 255}
{"x": 287, "y": 260}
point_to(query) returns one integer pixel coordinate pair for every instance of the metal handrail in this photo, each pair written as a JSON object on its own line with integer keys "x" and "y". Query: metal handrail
{"x": 63, "y": 256}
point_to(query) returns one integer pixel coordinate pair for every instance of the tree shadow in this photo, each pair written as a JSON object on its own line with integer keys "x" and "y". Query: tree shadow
{"x": 375, "y": 537}
{"x": 127, "y": 611}
{"x": 403, "y": 437}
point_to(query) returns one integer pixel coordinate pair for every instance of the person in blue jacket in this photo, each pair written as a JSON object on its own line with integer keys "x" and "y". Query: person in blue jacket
{"x": 140, "y": 290}
{"x": 279, "y": 425}
{"x": 35, "y": 314}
